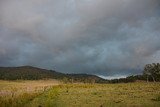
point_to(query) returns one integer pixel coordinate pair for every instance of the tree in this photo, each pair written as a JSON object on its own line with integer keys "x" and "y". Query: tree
{"x": 147, "y": 71}
{"x": 153, "y": 71}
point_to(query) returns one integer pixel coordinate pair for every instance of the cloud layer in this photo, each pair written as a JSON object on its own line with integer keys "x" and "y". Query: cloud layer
{"x": 103, "y": 37}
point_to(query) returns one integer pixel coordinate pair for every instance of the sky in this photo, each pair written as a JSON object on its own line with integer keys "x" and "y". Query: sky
{"x": 102, "y": 37}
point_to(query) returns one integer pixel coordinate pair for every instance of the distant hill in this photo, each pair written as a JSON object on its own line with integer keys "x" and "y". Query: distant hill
{"x": 34, "y": 73}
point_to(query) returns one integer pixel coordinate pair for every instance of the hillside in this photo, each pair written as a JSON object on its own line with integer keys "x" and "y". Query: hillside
{"x": 34, "y": 73}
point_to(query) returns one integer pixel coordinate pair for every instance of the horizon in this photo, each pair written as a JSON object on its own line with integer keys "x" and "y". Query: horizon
{"x": 108, "y": 38}
{"x": 101, "y": 76}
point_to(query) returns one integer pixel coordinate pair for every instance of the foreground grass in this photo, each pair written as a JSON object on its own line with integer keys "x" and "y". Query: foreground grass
{"x": 18, "y": 93}
{"x": 94, "y": 95}
{"x": 100, "y": 95}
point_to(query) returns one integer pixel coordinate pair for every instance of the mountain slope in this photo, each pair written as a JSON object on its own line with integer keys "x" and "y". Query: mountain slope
{"x": 34, "y": 73}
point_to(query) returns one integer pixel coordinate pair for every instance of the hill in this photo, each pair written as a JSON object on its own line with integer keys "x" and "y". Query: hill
{"x": 34, "y": 73}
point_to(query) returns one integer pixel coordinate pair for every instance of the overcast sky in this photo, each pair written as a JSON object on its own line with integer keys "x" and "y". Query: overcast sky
{"x": 102, "y": 37}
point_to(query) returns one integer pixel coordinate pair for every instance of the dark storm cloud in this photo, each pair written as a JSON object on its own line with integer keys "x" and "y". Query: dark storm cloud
{"x": 103, "y": 37}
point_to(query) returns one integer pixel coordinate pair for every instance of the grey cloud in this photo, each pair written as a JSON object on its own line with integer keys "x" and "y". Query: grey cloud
{"x": 103, "y": 37}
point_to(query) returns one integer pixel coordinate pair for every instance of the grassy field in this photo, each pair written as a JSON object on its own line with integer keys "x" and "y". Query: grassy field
{"x": 18, "y": 93}
{"x": 51, "y": 93}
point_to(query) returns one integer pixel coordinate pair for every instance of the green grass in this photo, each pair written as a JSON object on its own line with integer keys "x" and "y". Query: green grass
{"x": 139, "y": 94}
{"x": 131, "y": 94}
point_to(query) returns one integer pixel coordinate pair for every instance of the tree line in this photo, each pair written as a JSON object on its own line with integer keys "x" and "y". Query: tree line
{"x": 150, "y": 73}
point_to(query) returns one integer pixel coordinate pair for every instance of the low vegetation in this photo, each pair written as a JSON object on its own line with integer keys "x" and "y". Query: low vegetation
{"x": 18, "y": 93}
{"x": 46, "y": 94}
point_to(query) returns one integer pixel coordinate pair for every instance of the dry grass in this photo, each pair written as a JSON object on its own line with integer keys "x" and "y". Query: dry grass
{"x": 111, "y": 95}
{"x": 139, "y": 94}
{"x": 16, "y": 93}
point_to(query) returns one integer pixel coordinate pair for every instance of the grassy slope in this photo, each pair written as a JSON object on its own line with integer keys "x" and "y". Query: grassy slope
{"x": 97, "y": 95}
